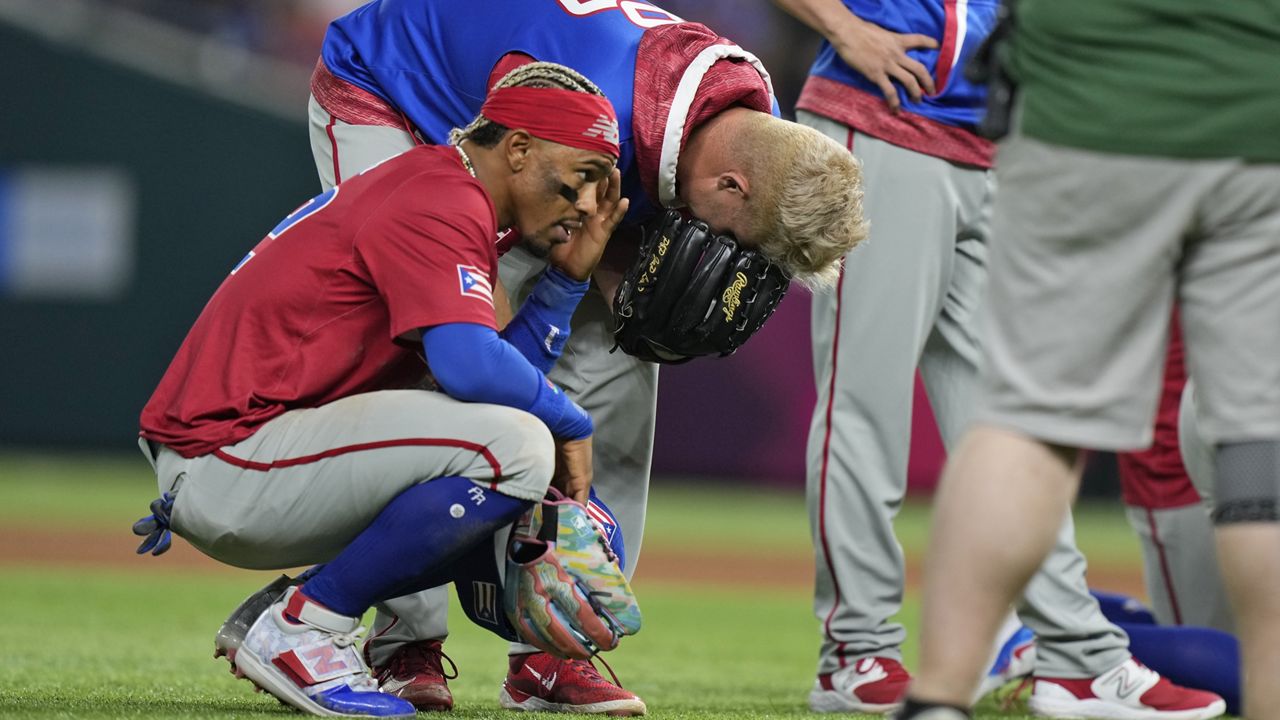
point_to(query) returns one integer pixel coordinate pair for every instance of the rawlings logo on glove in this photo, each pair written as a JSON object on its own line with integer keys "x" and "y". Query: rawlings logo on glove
{"x": 564, "y": 592}
{"x": 692, "y": 293}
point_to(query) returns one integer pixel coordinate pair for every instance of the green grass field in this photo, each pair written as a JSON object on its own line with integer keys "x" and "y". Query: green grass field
{"x": 133, "y": 637}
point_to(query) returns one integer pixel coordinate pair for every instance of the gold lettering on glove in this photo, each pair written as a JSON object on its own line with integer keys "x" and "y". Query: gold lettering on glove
{"x": 655, "y": 262}
{"x": 732, "y": 296}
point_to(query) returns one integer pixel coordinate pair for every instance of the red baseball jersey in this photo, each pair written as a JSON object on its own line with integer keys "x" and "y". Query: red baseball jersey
{"x": 327, "y": 303}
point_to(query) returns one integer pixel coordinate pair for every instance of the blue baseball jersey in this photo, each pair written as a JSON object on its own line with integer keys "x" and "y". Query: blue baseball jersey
{"x": 959, "y": 26}
{"x": 431, "y": 59}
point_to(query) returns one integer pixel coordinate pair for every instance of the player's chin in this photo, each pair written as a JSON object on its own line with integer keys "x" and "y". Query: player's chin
{"x": 538, "y": 247}
{"x": 540, "y": 244}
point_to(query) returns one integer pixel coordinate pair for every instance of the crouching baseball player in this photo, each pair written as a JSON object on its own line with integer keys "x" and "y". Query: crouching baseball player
{"x": 695, "y": 132}
{"x": 293, "y": 427}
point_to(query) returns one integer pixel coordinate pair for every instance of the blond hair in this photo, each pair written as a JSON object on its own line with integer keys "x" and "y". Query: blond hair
{"x": 487, "y": 133}
{"x": 806, "y": 203}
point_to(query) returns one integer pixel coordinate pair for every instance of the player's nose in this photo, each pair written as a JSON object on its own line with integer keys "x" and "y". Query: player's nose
{"x": 586, "y": 203}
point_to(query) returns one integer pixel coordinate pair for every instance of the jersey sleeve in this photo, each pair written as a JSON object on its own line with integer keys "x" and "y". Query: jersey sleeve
{"x": 430, "y": 252}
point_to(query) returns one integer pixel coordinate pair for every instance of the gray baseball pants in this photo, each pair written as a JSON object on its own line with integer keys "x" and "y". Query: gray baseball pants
{"x": 301, "y": 488}
{"x": 619, "y": 391}
{"x": 1180, "y": 566}
{"x": 911, "y": 297}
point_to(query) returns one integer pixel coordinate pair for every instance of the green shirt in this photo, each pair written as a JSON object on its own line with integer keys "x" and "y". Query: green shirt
{"x": 1176, "y": 78}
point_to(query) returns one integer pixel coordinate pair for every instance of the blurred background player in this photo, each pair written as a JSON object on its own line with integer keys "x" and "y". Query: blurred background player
{"x": 1136, "y": 175}
{"x": 1169, "y": 516}
{"x": 889, "y": 84}
{"x": 290, "y": 430}
{"x": 695, "y": 129}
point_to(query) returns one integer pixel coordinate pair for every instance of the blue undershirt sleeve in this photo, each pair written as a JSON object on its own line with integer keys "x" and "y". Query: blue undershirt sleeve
{"x": 541, "y": 327}
{"x": 472, "y": 363}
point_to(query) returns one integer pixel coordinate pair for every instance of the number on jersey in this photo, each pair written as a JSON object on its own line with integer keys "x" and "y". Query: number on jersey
{"x": 313, "y": 205}
{"x": 308, "y": 208}
{"x": 641, "y": 14}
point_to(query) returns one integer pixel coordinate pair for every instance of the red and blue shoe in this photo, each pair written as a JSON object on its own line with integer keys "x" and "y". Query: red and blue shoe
{"x": 305, "y": 655}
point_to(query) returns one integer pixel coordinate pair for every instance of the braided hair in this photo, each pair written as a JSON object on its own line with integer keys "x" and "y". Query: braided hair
{"x": 486, "y": 133}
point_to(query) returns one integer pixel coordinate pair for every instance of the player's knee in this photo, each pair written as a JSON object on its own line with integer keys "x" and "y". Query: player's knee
{"x": 527, "y": 455}
{"x": 1248, "y": 482}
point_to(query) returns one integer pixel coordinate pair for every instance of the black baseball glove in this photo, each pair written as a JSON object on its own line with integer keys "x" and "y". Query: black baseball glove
{"x": 692, "y": 293}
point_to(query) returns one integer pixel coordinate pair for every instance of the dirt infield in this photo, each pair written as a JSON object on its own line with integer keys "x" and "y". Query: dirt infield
{"x": 99, "y": 549}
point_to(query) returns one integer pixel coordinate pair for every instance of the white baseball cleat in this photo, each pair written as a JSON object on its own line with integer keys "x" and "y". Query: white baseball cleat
{"x": 1129, "y": 691}
{"x": 869, "y": 685}
{"x": 312, "y": 663}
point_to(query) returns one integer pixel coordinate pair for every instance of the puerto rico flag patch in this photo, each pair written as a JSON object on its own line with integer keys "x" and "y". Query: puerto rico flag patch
{"x": 603, "y": 519}
{"x": 474, "y": 284}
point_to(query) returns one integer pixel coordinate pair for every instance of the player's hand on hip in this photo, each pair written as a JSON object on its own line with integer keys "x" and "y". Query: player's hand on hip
{"x": 881, "y": 56}
{"x": 578, "y": 257}
{"x": 573, "y": 468}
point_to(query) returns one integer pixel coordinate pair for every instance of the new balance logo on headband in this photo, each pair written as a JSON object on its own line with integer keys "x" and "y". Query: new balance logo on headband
{"x": 605, "y": 128}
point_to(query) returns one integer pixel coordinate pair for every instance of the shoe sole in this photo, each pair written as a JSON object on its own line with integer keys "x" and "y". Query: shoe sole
{"x": 1099, "y": 710}
{"x": 830, "y": 701}
{"x": 273, "y": 681}
{"x": 615, "y": 708}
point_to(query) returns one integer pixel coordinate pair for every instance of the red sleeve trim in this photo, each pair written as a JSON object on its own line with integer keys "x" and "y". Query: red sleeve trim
{"x": 350, "y": 103}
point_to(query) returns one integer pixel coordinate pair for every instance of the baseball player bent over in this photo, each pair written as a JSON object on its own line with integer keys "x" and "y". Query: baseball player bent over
{"x": 696, "y": 129}
{"x": 292, "y": 427}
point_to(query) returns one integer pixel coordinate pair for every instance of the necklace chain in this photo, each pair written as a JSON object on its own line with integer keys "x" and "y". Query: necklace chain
{"x": 466, "y": 161}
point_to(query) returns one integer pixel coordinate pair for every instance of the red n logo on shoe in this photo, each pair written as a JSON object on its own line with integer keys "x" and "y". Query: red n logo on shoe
{"x": 316, "y": 663}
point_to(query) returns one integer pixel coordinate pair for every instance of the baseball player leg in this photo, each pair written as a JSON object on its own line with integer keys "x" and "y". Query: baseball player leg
{"x": 1000, "y": 497}
{"x": 341, "y": 150}
{"x": 1186, "y": 535}
{"x": 1180, "y": 566}
{"x": 1074, "y": 638}
{"x": 1249, "y": 551}
{"x": 232, "y": 505}
{"x": 382, "y": 445}
{"x": 1230, "y": 296}
{"x": 1066, "y": 618}
{"x": 868, "y": 335}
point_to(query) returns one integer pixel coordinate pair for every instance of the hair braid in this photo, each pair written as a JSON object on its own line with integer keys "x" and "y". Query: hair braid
{"x": 486, "y": 133}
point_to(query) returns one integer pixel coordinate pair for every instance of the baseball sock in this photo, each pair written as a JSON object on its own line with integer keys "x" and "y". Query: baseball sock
{"x": 420, "y": 532}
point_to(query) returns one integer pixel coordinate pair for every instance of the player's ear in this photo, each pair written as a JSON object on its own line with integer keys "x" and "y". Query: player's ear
{"x": 734, "y": 183}
{"x": 517, "y": 145}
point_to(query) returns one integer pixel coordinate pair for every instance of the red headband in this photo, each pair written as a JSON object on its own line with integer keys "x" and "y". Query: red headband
{"x": 576, "y": 119}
